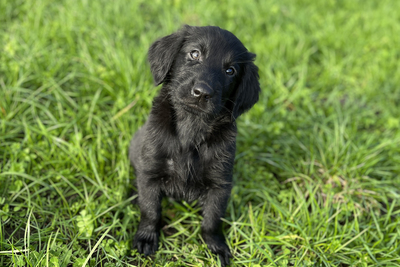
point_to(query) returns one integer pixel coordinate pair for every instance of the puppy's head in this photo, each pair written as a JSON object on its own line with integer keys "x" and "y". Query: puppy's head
{"x": 207, "y": 70}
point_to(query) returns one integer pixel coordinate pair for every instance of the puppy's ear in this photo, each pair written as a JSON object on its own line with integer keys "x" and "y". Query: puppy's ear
{"x": 248, "y": 91}
{"x": 162, "y": 54}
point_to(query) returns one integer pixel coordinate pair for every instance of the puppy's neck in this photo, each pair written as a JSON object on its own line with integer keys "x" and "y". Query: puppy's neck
{"x": 192, "y": 130}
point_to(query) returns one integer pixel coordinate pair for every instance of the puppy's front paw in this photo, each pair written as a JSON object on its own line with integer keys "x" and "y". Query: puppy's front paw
{"x": 218, "y": 246}
{"x": 146, "y": 242}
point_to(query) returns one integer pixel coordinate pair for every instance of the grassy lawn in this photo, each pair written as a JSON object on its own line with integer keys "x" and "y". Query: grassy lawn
{"x": 317, "y": 172}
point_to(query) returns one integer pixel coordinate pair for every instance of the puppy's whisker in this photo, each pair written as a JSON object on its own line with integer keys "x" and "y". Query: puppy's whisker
{"x": 231, "y": 114}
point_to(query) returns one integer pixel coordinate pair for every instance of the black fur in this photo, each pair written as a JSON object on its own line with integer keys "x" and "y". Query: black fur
{"x": 186, "y": 148}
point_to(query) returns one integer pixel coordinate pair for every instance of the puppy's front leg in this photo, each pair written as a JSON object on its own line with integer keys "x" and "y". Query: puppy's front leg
{"x": 214, "y": 207}
{"x": 146, "y": 237}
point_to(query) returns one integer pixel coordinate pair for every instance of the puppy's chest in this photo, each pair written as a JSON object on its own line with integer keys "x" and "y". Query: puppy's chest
{"x": 186, "y": 176}
{"x": 187, "y": 166}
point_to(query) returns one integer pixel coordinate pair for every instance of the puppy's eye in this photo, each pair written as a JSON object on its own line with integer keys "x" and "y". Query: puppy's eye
{"x": 230, "y": 71}
{"x": 195, "y": 54}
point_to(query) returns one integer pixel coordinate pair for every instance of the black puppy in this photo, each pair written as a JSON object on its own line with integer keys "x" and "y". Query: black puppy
{"x": 186, "y": 149}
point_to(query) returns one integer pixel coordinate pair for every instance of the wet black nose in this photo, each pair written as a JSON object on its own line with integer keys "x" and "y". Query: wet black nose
{"x": 202, "y": 92}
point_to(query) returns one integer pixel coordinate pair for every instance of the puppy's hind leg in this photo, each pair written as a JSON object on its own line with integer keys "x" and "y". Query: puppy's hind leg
{"x": 135, "y": 148}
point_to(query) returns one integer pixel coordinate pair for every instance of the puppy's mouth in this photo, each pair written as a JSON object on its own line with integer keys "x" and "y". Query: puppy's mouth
{"x": 194, "y": 109}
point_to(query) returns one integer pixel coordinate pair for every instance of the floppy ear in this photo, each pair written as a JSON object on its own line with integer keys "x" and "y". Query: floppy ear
{"x": 248, "y": 90}
{"x": 162, "y": 54}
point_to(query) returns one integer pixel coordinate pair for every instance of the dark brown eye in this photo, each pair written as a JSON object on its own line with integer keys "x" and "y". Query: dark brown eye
{"x": 230, "y": 71}
{"x": 195, "y": 54}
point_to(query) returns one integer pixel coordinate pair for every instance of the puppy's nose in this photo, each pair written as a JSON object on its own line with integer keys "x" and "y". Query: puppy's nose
{"x": 202, "y": 92}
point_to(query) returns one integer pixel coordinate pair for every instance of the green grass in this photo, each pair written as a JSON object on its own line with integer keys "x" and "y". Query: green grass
{"x": 317, "y": 172}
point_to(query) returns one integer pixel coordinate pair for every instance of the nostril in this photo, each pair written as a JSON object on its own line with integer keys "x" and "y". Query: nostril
{"x": 197, "y": 92}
